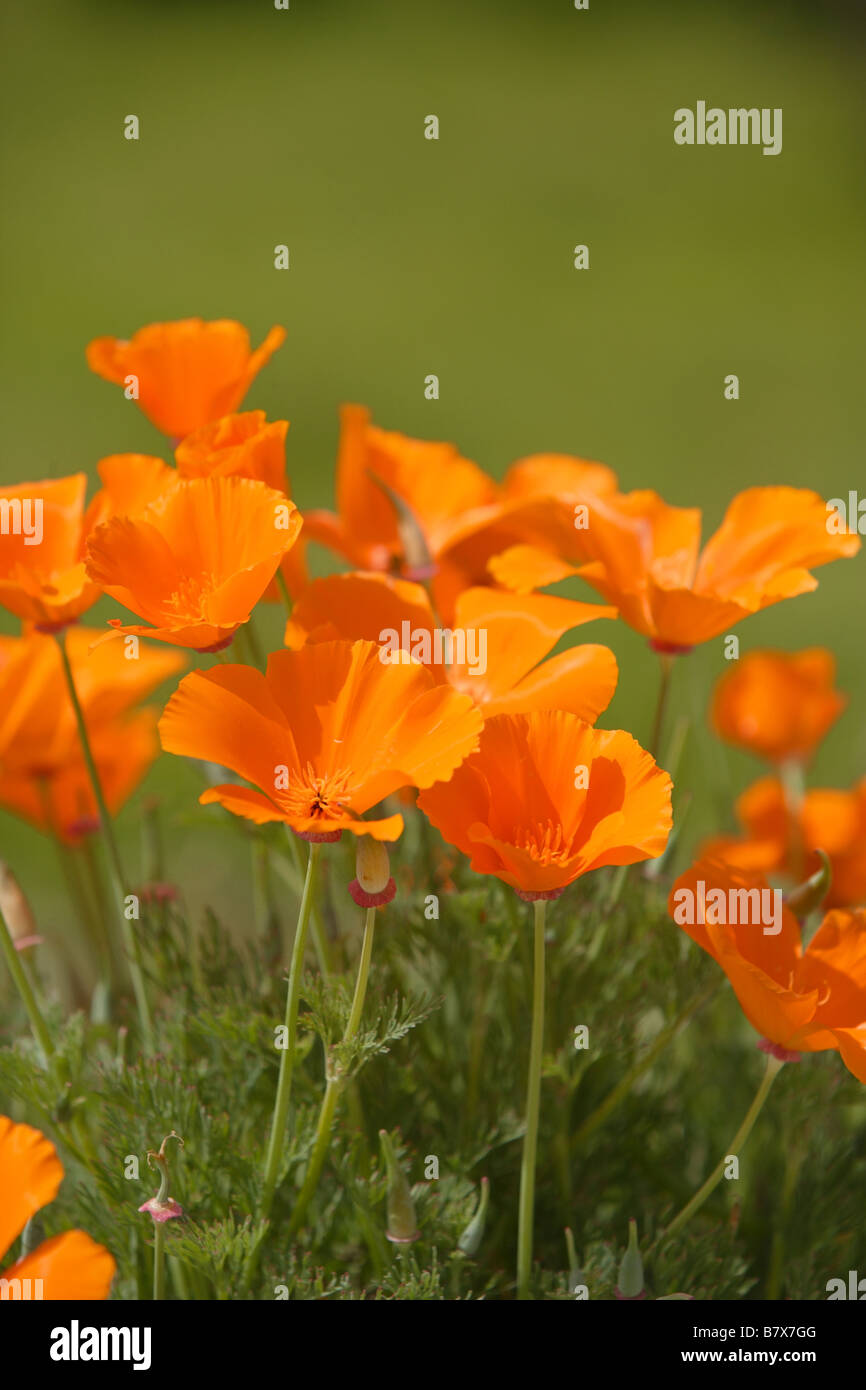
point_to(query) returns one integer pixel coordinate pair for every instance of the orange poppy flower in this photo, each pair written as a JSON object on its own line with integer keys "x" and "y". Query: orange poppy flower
{"x": 644, "y": 556}
{"x": 778, "y": 705}
{"x": 43, "y": 776}
{"x": 43, "y": 532}
{"x": 246, "y": 446}
{"x": 799, "y": 1001}
{"x": 189, "y": 373}
{"x": 60, "y": 801}
{"x": 431, "y": 479}
{"x": 783, "y": 839}
{"x": 418, "y": 509}
{"x": 69, "y": 1266}
{"x": 238, "y": 446}
{"x": 195, "y": 562}
{"x": 323, "y": 736}
{"x": 548, "y": 798}
{"x": 495, "y": 653}
{"x": 130, "y": 482}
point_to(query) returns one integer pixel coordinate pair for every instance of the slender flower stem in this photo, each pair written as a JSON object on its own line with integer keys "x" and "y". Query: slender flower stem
{"x": 25, "y": 989}
{"x": 158, "y": 1261}
{"x": 287, "y": 1059}
{"x": 774, "y": 1066}
{"x": 320, "y": 936}
{"x": 118, "y": 877}
{"x": 666, "y": 661}
{"x": 284, "y": 592}
{"x": 533, "y": 1098}
{"x": 336, "y": 1082}
{"x": 615, "y": 1097}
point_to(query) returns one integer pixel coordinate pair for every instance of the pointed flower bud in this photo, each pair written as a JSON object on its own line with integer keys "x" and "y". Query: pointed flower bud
{"x": 417, "y": 561}
{"x": 629, "y": 1282}
{"x": 402, "y": 1227}
{"x": 808, "y": 896}
{"x": 576, "y": 1277}
{"x": 374, "y": 886}
{"x": 470, "y": 1241}
{"x": 16, "y": 911}
{"x": 162, "y": 1207}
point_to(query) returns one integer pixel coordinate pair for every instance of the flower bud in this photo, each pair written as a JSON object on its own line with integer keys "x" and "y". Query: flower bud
{"x": 576, "y": 1277}
{"x": 374, "y": 886}
{"x": 470, "y": 1241}
{"x": 16, "y": 911}
{"x": 417, "y": 561}
{"x": 402, "y": 1227}
{"x": 808, "y": 896}
{"x": 629, "y": 1281}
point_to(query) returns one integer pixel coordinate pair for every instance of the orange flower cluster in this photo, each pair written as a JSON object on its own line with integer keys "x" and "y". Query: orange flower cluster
{"x": 430, "y": 666}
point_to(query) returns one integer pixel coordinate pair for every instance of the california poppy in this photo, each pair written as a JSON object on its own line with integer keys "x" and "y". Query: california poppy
{"x": 187, "y": 373}
{"x": 239, "y": 446}
{"x": 323, "y": 736}
{"x": 778, "y": 705}
{"x": 781, "y": 838}
{"x": 644, "y": 557}
{"x": 43, "y": 531}
{"x": 130, "y": 482}
{"x": 548, "y": 798}
{"x": 195, "y": 562}
{"x": 420, "y": 510}
{"x": 43, "y": 775}
{"x": 246, "y": 446}
{"x": 495, "y": 652}
{"x": 69, "y": 1266}
{"x": 811, "y": 1000}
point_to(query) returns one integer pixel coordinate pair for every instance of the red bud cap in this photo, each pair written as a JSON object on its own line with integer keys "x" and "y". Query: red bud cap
{"x": 374, "y": 886}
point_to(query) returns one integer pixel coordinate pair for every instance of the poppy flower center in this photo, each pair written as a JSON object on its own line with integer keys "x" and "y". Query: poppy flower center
{"x": 310, "y": 797}
{"x": 545, "y": 842}
{"x": 191, "y": 595}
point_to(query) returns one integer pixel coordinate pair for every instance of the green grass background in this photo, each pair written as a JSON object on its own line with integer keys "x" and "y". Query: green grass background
{"x": 409, "y": 256}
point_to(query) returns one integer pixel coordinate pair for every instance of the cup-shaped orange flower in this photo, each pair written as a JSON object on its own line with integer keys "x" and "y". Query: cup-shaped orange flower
{"x": 238, "y": 446}
{"x": 495, "y": 652}
{"x": 69, "y": 1266}
{"x": 548, "y": 798}
{"x": 43, "y": 531}
{"x": 323, "y": 736}
{"x": 246, "y": 446}
{"x": 644, "y": 557}
{"x": 43, "y": 776}
{"x": 778, "y": 705}
{"x": 184, "y": 374}
{"x": 811, "y": 1000}
{"x": 431, "y": 479}
{"x": 781, "y": 838}
{"x": 195, "y": 562}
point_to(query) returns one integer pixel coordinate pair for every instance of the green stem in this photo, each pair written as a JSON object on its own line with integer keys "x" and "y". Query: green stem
{"x": 22, "y": 984}
{"x": 287, "y": 1059}
{"x": 320, "y": 936}
{"x": 158, "y": 1261}
{"x": 666, "y": 662}
{"x": 774, "y": 1066}
{"x": 284, "y": 592}
{"x": 335, "y": 1081}
{"x": 533, "y": 1099}
{"x": 615, "y": 1097}
{"x": 116, "y": 869}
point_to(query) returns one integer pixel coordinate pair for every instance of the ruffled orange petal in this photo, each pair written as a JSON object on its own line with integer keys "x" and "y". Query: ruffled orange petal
{"x": 769, "y": 538}
{"x": 358, "y": 606}
{"x": 71, "y": 1266}
{"x": 243, "y": 446}
{"x": 30, "y": 1175}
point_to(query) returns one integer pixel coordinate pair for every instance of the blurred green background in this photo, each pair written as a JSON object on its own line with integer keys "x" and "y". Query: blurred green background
{"x": 410, "y": 256}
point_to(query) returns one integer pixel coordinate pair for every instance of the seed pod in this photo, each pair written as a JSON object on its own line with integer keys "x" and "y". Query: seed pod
{"x": 470, "y": 1241}
{"x": 402, "y": 1227}
{"x": 629, "y": 1284}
